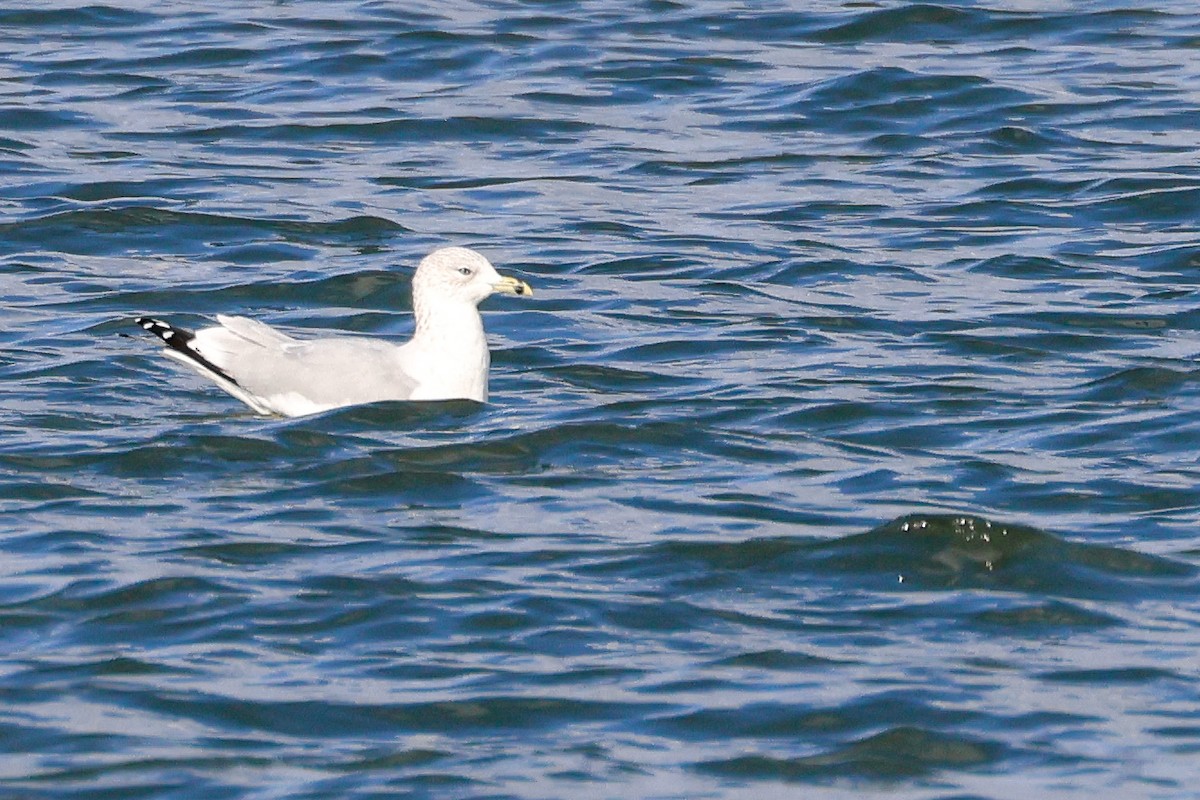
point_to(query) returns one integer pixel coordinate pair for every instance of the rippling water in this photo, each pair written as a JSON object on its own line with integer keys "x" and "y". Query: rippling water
{"x": 848, "y": 446}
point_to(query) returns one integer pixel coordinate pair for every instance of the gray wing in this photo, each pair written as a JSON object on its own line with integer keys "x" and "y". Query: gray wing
{"x": 254, "y": 332}
{"x": 325, "y": 373}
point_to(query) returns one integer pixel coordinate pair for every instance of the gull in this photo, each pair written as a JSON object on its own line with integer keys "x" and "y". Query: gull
{"x": 275, "y": 374}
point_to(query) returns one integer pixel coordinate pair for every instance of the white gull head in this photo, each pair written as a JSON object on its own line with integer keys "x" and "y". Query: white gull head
{"x": 460, "y": 275}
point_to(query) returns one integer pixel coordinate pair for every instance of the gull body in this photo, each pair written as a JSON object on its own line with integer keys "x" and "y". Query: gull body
{"x": 274, "y": 373}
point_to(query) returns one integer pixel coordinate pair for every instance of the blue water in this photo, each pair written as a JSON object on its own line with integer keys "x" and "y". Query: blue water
{"x": 847, "y": 448}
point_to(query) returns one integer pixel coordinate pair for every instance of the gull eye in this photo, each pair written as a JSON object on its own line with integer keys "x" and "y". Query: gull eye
{"x": 464, "y": 270}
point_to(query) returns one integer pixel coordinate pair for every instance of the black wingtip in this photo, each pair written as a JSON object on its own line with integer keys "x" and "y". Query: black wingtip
{"x": 180, "y": 339}
{"x": 163, "y": 330}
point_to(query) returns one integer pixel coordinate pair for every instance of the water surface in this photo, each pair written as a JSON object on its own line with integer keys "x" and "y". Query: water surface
{"x": 847, "y": 447}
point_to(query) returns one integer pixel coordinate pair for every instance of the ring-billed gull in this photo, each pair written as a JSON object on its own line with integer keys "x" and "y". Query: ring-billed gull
{"x": 446, "y": 359}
